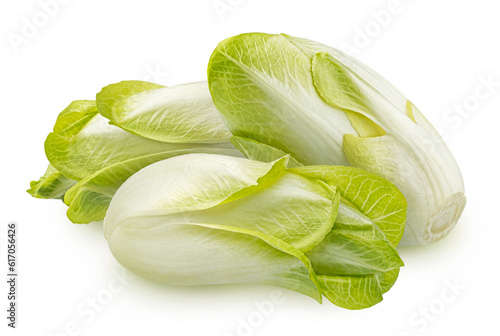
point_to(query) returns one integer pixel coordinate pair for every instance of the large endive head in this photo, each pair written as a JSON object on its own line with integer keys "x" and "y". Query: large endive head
{"x": 325, "y": 107}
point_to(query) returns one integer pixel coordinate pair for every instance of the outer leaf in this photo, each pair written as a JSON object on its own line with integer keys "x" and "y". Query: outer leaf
{"x": 343, "y": 254}
{"x": 255, "y": 150}
{"x": 386, "y": 89}
{"x": 52, "y": 184}
{"x": 357, "y": 292}
{"x": 388, "y": 279}
{"x": 181, "y": 113}
{"x": 351, "y": 292}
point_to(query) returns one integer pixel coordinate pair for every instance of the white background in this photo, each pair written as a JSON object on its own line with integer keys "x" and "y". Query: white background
{"x": 437, "y": 52}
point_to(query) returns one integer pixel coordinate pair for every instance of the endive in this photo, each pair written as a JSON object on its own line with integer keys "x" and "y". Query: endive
{"x": 90, "y": 157}
{"x": 203, "y": 219}
{"x": 325, "y": 107}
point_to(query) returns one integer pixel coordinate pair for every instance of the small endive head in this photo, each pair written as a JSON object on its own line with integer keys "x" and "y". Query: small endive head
{"x": 207, "y": 219}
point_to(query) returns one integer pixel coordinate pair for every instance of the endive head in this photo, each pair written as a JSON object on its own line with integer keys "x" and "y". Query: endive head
{"x": 207, "y": 219}
{"x": 96, "y": 145}
{"x": 325, "y": 107}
